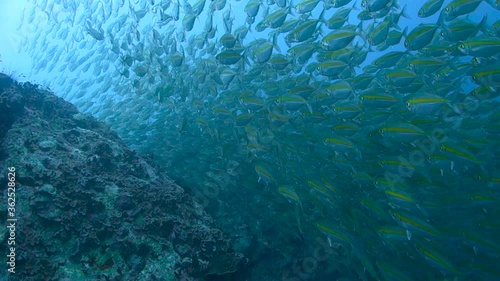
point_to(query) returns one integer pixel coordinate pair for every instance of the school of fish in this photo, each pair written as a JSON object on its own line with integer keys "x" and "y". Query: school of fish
{"x": 384, "y": 138}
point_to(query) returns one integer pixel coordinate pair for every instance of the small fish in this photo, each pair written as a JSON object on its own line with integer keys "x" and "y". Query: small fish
{"x": 462, "y": 29}
{"x": 376, "y": 99}
{"x": 436, "y": 258}
{"x": 340, "y": 90}
{"x": 420, "y": 36}
{"x": 393, "y": 233}
{"x": 483, "y": 46}
{"x": 400, "y": 198}
{"x": 229, "y": 57}
{"x": 188, "y": 22}
{"x": 429, "y": 8}
{"x": 334, "y": 233}
{"x": 415, "y": 224}
{"x": 461, "y": 7}
{"x": 279, "y": 61}
{"x": 426, "y": 64}
{"x": 339, "y": 3}
{"x": 252, "y": 8}
{"x": 276, "y": 18}
{"x": 175, "y": 11}
{"x": 376, "y": 5}
{"x": 332, "y": 68}
{"x": 289, "y": 193}
{"x": 488, "y": 77}
{"x": 391, "y": 272}
{"x": 141, "y": 70}
{"x": 400, "y": 77}
{"x": 228, "y": 40}
{"x": 306, "y": 30}
{"x": 394, "y": 37}
{"x": 339, "y": 143}
{"x": 379, "y": 33}
{"x": 264, "y": 174}
{"x": 390, "y": 59}
{"x": 176, "y": 59}
{"x": 459, "y": 152}
{"x": 252, "y": 103}
{"x": 96, "y": 34}
{"x": 306, "y": 6}
{"x": 318, "y": 188}
{"x": 338, "y": 39}
{"x": 424, "y": 103}
{"x": 198, "y": 7}
{"x": 293, "y": 102}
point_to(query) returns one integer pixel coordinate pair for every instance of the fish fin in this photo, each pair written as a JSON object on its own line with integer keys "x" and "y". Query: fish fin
{"x": 404, "y": 14}
{"x": 299, "y": 224}
{"x": 441, "y": 19}
{"x": 408, "y": 234}
{"x": 275, "y": 42}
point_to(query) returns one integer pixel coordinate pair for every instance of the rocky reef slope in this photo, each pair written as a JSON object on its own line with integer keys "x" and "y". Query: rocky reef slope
{"x": 89, "y": 208}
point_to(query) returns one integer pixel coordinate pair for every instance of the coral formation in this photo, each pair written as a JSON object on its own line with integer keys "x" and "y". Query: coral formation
{"x": 89, "y": 208}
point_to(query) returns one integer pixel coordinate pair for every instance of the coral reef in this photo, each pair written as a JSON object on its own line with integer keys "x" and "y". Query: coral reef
{"x": 89, "y": 208}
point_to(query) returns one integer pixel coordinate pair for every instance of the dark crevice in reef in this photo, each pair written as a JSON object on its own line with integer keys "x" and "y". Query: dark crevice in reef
{"x": 89, "y": 208}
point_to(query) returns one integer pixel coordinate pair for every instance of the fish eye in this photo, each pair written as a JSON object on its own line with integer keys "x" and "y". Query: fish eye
{"x": 420, "y": 13}
{"x": 406, "y": 44}
{"x": 461, "y": 46}
{"x": 447, "y": 9}
{"x": 408, "y": 104}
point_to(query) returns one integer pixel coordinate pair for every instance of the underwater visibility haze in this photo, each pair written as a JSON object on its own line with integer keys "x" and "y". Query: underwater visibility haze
{"x": 330, "y": 139}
